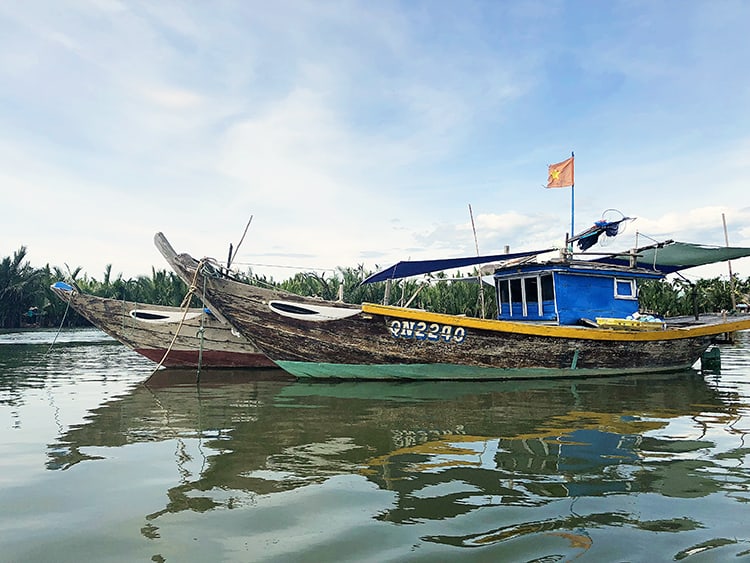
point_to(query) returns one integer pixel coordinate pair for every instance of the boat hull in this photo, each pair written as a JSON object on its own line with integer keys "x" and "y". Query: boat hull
{"x": 150, "y": 331}
{"x": 375, "y": 346}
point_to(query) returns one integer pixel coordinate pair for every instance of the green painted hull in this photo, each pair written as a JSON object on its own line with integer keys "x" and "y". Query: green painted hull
{"x": 431, "y": 372}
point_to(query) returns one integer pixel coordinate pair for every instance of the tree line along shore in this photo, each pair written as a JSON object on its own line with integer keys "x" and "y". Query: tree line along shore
{"x": 26, "y": 299}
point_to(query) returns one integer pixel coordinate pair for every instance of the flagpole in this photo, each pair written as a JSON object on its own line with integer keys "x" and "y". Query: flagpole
{"x": 572, "y": 200}
{"x": 561, "y": 177}
{"x": 573, "y": 197}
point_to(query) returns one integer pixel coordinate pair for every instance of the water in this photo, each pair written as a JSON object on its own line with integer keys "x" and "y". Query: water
{"x": 96, "y": 466}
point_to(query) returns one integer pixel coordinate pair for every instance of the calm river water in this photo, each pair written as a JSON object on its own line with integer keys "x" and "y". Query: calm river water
{"x": 97, "y": 466}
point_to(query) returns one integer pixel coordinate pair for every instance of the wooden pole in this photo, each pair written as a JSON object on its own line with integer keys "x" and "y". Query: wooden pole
{"x": 233, "y": 256}
{"x": 729, "y": 263}
{"x": 479, "y": 274}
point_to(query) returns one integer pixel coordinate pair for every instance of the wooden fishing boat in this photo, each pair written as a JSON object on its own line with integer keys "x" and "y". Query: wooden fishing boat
{"x": 546, "y": 326}
{"x": 174, "y": 337}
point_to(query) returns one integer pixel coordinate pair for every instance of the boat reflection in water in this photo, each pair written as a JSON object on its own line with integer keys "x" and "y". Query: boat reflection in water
{"x": 470, "y": 464}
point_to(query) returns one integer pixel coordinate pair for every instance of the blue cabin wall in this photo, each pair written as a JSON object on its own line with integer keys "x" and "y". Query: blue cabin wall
{"x": 587, "y": 297}
{"x": 576, "y": 293}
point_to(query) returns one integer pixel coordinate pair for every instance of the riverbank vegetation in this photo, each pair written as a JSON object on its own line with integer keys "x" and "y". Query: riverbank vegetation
{"x": 26, "y": 298}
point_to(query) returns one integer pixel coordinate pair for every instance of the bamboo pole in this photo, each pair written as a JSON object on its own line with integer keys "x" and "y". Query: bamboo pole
{"x": 479, "y": 274}
{"x": 729, "y": 263}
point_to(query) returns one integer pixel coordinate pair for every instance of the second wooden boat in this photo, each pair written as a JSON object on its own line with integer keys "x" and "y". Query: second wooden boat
{"x": 172, "y": 336}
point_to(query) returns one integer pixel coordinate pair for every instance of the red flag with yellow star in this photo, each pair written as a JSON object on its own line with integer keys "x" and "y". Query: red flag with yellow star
{"x": 561, "y": 174}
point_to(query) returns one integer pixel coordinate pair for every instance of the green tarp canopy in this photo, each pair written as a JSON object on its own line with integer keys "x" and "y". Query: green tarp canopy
{"x": 672, "y": 256}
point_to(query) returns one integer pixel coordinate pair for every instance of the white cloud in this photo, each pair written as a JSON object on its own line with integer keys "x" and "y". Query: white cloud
{"x": 172, "y": 98}
{"x": 358, "y": 132}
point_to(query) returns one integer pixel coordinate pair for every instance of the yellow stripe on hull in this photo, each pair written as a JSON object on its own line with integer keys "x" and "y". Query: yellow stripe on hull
{"x": 556, "y": 331}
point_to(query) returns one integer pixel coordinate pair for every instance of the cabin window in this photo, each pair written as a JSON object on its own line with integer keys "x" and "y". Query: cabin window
{"x": 548, "y": 288}
{"x": 504, "y": 296}
{"x": 531, "y": 296}
{"x": 625, "y": 289}
{"x": 516, "y": 295}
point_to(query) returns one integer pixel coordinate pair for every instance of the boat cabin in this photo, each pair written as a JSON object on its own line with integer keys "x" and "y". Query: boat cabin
{"x": 568, "y": 293}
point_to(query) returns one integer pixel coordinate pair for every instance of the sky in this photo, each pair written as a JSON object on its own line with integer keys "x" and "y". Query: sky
{"x": 360, "y": 133}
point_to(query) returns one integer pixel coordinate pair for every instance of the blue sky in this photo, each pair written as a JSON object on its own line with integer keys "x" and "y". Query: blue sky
{"x": 360, "y": 132}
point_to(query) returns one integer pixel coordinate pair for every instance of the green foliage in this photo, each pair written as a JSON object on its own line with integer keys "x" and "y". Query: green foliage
{"x": 459, "y": 296}
{"x": 26, "y": 298}
{"x": 24, "y": 289}
{"x": 677, "y": 297}
{"x": 18, "y": 289}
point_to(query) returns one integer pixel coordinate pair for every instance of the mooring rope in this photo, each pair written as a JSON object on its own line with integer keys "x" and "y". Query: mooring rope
{"x": 201, "y": 332}
{"x": 185, "y": 306}
{"x": 62, "y": 322}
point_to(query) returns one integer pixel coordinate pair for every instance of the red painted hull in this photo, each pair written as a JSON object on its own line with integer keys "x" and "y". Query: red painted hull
{"x": 210, "y": 359}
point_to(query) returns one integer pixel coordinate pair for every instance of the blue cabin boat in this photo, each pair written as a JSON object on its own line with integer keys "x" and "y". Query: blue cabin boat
{"x": 568, "y": 292}
{"x": 313, "y": 338}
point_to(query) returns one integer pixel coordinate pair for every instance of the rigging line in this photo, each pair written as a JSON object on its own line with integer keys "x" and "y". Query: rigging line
{"x": 185, "y": 306}
{"x": 301, "y": 268}
{"x": 201, "y": 331}
{"x": 65, "y": 314}
{"x": 652, "y": 239}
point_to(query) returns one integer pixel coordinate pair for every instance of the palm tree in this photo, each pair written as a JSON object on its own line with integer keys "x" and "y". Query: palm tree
{"x": 682, "y": 297}
{"x": 18, "y": 289}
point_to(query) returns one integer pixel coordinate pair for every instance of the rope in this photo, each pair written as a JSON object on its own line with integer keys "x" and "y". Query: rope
{"x": 288, "y": 267}
{"x": 185, "y": 306}
{"x": 201, "y": 331}
{"x": 62, "y": 322}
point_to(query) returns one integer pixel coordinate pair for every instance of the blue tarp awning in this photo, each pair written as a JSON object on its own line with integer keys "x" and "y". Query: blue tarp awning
{"x": 410, "y": 268}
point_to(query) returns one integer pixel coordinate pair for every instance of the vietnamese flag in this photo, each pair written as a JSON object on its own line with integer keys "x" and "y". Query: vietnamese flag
{"x": 561, "y": 174}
